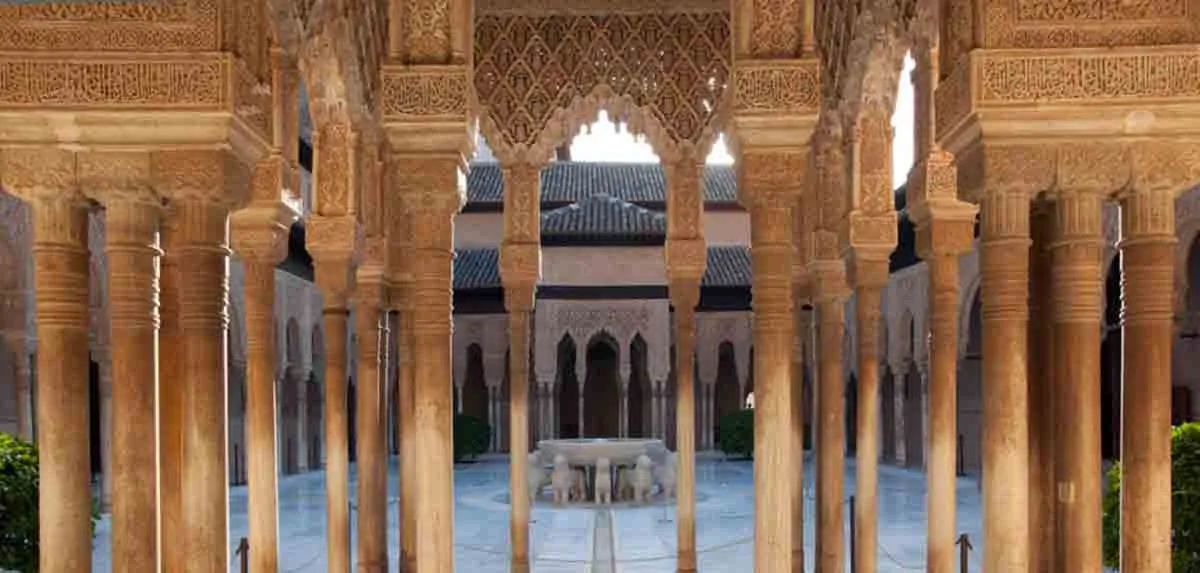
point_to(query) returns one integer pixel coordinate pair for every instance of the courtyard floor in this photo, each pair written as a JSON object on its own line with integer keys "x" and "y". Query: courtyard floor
{"x": 620, "y": 539}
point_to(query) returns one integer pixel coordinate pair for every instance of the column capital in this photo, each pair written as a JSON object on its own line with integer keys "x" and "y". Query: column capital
{"x": 520, "y": 271}
{"x": 522, "y": 203}
{"x": 687, "y": 260}
{"x": 336, "y": 246}
{"x": 260, "y": 231}
{"x": 829, "y": 281}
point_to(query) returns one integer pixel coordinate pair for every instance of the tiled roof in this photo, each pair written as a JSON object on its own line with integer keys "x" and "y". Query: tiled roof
{"x": 477, "y": 269}
{"x": 728, "y": 266}
{"x": 571, "y": 182}
{"x": 603, "y": 216}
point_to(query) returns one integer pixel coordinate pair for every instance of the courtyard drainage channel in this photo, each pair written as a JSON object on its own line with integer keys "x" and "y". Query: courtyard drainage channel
{"x": 603, "y": 560}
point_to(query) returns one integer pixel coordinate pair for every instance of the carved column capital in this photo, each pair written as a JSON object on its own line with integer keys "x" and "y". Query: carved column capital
{"x": 260, "y": 231}
{"x": 336, "y": 246}
{"x": 520, "y": 270}
{"x": 206, "y": 175}
{"x": 1078, "y": 250}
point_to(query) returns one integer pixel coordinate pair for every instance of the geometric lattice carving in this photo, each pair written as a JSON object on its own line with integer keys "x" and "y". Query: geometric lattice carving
{"x": 528, "y": 67}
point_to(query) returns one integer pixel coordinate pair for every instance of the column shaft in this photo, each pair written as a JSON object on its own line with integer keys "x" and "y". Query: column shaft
{"x": 131, "y": 228}
{"x": 1148, "y": 271}
{"x": 203, "y": 325}
{"x": 408, "y": 464}
{"x": 1078, "y": 283}
{"x": 337, "y": 439}
{"x": 170, "y": 404}
{"x": 371, "y": 548}
{"x": 942, "y": 471}
{"x": 899, "y": 388}
{"x": 518, "y": 416}
{"x": 1004, "y": 269}
{"x": 261, "y": 468}
{"x": 1042, "y": 495}
{"x": 685, "y": 296}
{"x": 60, "y": 259}
{"x": 866, "y": 507}
{"x": 797, "y": 495}
{"x": 831, "y": 436}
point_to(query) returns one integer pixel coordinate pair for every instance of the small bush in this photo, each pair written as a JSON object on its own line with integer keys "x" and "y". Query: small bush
{"x": 471, "y": 437}
{"x": 1185, "y": 503}
{"x": 737, "y": 434}
{"x": 18, "y": 504}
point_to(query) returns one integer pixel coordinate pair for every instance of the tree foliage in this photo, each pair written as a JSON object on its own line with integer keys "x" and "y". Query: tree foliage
{"x": 737, "y": 434}
{"x": 18, "y": 504}
{"x": 471, "y": 436}
{"x": 1185, "y": 503}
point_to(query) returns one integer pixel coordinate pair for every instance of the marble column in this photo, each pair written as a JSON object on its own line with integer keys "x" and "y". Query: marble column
{"x": 203, "y": 326}
{"x": 1040, "y": 389}
{"x": 899, "y": 393}
{"x": 685, "y": 296}
{"x": 945, "y": 231}
{"x": 1078, "y": 283}
{"x": 869, "y": 276}
{"x": 1147, "y": 273}
{"x": 801, "y": 289}
{"x": 830, "y": 436}
{"x": 371, "y": 515}
{"x": 1004, "y": 270}
{"x": 770, "y": 185}
{"x": 171, "y": 397}
{"x": 430, "y": 190}
{"x": 334, "y": 268}
{"x": 20, "y": 351}
{"x": 131, "y": 229}
{"x": 519, "y": 298}
{"x": 408, "y": 452}
{"x": 260, "y": 239}
{"x": 60, "y": 263}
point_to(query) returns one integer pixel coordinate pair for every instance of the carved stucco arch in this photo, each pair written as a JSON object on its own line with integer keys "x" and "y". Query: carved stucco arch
{"x": 716, "y": 328}
{"x": 490, "y": 333}
{"x": 582, "y": 320}
{"x": 907, "y": 304}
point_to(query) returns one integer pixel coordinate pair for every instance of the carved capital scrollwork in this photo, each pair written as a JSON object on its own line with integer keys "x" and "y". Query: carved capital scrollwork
{"x": 522, "y": 203}
{"x": 520, "y": 271}
{"x": 687, "y": 259}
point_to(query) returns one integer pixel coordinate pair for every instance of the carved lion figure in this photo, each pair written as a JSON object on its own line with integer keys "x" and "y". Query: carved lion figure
{"x": 667, "y": 476}
{"x": 578, "y": 492}
{"x": 561, "y": 480}
{"x": 535, "y": 476}
{"x": 625, "y": 484}
{"x": 643, "y": 478}
{"x": 603, "y": 482}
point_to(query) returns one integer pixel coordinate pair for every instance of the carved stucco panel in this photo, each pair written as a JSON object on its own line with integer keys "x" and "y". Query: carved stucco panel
{"x": 908, "y": 300}
{"x": 490, "y": 333}
{"x": 582, "y": 320}
{"x": 716, "y": 328}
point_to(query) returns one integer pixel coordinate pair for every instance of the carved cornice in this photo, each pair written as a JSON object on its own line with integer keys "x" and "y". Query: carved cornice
{"x": 1043, "y": 83}
{"x": 133, "y": 26}
{"x": 595, "y": 7}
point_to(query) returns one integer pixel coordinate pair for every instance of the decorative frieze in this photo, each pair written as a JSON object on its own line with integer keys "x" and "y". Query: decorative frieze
{"x": 776, "y": 87}
{"x": 134, "y": 26}
{"x": 193, "y": 83}
{"x": 425, "y": 92}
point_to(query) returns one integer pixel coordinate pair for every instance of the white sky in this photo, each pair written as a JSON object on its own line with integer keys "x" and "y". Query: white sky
{"x": 605, "y": 141}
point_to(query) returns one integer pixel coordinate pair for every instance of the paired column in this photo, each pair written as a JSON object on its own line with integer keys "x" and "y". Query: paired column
{"x": 1004, "y": 269}
{"x": 945, "y": 230}
{"x": 60, "y": 258}
{"x": 1042, "y": 493}
{"x": 131, "y": 228}
{"x": 371, "y": 548}
{"x": 171, "y": 398}
{"x": 801, "y": 294}
{"x": 1078, "y": 285}
{"x": 430, "y": 191}
{"x": 402, "y": 298}
{"x": 830, "y": 294}
{"x": 1148, "y": 271}
{"x": 685, "y": 296}
{"x": 869, "y": 277}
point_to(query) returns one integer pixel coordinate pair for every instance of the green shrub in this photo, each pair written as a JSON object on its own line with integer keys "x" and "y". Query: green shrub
{"x": 18, "y": 504}
{"x": 1185, "y": 503}
{"x": 737, "y": 434}
{"x": 471, "y": 436}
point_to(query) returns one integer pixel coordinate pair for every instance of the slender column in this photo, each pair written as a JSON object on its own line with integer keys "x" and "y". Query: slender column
{"x": 371, "y": 547}
{"x": 685, "y": 295}
{"x": 771, "y": 184}
{"x": 23, "y": 385}
{"x": 60, "y": 258}
{"x": 1078, "y": 283}
{"x": 1042, "y": 495}
{"x": 408, "y": 460}
{"x": 801, "y": 294}
{"x": 870, "y": 279}
{"x": 945, "y": 230}
{"x": 831, "y": 428}
{"x": 260, "y": 236}
{"x": 431, "y": 194}
{"x": 1148, "y": 270}
{"x": 131, "y": 225}
{"x": 520, "y": 303}
{"x": 203, "y": 325}
{"x": 171, "y": 399}
{"x": 333, "y": 261}
{"x": 1004, "y": 269}
{"x": 899, "y": 388}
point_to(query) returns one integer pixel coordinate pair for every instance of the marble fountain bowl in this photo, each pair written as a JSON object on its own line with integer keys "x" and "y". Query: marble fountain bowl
{"x": 619, "y": 451}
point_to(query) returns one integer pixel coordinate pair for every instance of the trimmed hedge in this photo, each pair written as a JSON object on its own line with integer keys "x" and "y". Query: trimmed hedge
{"x": 737, "y": 434}
{"x": 1185, "y": 503}
{"x": 471, "y": 437}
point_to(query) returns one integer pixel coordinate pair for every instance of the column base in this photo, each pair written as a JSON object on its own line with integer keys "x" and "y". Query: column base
{"x": 371, "y": 567}
{"x": 519, "y": 566}
{"x": 685, "y": 562}
{"x": 797, "y": 561}
{"x": 409, "y": 565}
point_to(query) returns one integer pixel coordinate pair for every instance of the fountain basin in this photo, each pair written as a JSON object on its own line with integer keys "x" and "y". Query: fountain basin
{"x": 585, "y": 451}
